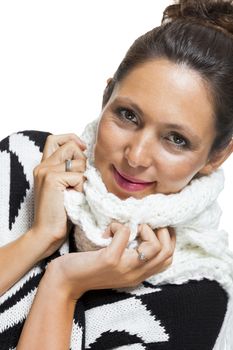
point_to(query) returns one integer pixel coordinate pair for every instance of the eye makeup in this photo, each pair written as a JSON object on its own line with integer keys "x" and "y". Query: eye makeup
{"x": 178, "y": 135}
{"x": 126, "y": 114}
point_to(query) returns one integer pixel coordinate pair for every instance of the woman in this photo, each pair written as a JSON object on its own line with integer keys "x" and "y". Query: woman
{"x": 166, "y": 121}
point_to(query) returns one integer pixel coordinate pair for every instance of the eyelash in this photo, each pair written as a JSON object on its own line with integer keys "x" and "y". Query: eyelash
{"x": 120, "y": 112}
{"x": 185, "y": 143}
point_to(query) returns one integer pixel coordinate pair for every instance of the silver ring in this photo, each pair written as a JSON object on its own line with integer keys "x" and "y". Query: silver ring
{"x": 68, "y": 164}
{"x": 141, "y": 256}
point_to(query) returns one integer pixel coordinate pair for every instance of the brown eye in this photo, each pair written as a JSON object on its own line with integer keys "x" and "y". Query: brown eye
{"x": 178, "y": 140}
{"x": 126, "y": 115}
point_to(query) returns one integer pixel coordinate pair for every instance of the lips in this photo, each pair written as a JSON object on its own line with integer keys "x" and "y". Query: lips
{"x": 129, "y": 183}
{"x": 132, "y": 179}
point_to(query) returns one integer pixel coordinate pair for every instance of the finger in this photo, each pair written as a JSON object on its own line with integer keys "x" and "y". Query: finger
{"x": 66, "y": 179}
{"x": 172, "y": 233}
{"x": 69, "y": 150}
{"x": 164, "y": 237}
{"x": 148, "y": 269}
{"x": 107, "y": 233}
{"x": 62, "y": 139}
{"x": 110, "y": 233}
{"x": 119, "y": 241}
{"x": 150, "y": 245}
{"x": 78, "y": 182}
{"x": 146, "y": 234}
{"x": 163, "y": 259}
{"x": 53, "y": 142}
{"x": 77, "y": 165}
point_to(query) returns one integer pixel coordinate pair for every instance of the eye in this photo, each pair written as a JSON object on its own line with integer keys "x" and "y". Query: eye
{"x": 178, "y": 140}
{"x": 126, "y": 114}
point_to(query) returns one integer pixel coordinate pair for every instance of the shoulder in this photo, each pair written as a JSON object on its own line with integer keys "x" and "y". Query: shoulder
{"x": 25, "y": 138}
{"x": 20, "y": 153}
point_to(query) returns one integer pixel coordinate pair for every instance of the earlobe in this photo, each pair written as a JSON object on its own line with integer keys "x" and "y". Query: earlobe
{"x": 217, "y": 159}
{"x": 109, "y": 81}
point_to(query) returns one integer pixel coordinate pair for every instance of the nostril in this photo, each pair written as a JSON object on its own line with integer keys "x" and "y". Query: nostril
{"x": 138, "y": 156}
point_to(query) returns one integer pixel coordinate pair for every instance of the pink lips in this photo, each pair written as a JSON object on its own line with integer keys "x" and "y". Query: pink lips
{"x": 129, "y": 183}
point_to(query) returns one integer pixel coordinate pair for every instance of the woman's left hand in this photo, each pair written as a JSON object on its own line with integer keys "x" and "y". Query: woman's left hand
{"x": 76, "y": 273}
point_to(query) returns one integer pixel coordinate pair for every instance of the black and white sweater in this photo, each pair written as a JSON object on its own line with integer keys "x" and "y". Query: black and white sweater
{"x": 163, "y": 317}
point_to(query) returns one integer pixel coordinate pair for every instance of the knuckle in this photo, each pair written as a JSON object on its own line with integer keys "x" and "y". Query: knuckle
{"x": 168, "y": 252}
{"x": 75, "y": 147}
{"x": 135, "y": 282}
{"x": 168, "y": 262}
{"x": 111, "y": 261}
{"x": 125, "y": 229}
{"x": 50, "y": 138}
{"x": 72, "y": 144}
{"x": 115, "y": 226}
{"x": 158, "y": 247}
{"x": 81, "y": 164}
{"x": 49, "y": 177}
{"x": 39, "y": 171}
{"x": 35, "y": 171}
{"x": 132, "y": 279}
{"x": 73, "y": 136}
{"x": 129, "y": 281}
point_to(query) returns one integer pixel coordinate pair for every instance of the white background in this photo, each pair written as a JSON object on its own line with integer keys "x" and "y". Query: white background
{"x": 55, "y": 59}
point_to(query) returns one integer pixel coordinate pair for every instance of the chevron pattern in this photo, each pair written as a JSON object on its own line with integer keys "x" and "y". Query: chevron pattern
{"x": 165, "y": 317}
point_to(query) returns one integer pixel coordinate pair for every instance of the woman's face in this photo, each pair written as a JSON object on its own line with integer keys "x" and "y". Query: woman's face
{"x": 157, "y": 128}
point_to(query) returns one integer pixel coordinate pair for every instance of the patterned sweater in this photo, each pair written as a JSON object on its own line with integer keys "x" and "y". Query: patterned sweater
{"x": 162, "y": 317}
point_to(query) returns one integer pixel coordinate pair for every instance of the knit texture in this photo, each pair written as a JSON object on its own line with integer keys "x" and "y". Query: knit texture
{"x": 193, "y": 208}
{"x": 155, "y": 315}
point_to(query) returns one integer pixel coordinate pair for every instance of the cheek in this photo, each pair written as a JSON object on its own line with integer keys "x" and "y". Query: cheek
{"x": 178, "y": 170}
{"x": 108, "y": 142}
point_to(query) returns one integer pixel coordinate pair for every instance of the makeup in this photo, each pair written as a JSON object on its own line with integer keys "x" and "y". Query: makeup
{"x": 128, "y": 184}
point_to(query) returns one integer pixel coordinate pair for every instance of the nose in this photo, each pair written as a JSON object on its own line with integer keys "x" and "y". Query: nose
{"x": 138, "y": 152}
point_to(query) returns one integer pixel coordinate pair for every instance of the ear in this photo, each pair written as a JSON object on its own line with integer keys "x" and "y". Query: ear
{"x": 109, "y": 81}
{"x": 217, "y": 159}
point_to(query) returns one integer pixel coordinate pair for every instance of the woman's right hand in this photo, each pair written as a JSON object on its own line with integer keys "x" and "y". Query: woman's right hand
{"x": 114, "y": 266}
{"x": 50, "y": 180}
{"x": 70, "y": 275}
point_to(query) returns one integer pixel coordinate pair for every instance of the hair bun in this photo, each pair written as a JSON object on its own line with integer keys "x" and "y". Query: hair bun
{"x": 218, "y": 13}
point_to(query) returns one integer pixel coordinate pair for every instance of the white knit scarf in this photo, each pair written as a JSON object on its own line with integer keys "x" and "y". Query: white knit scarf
{"x": 201, "y": 248}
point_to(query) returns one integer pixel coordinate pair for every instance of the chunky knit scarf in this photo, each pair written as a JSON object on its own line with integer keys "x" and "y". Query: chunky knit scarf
{"x": 201, "y": 249}
{"x": 180, "y": 308}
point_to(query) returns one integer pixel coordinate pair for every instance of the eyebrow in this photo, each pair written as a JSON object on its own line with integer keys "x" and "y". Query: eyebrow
{"x": 178, "y": 127}
{"x": 133, "y": 104}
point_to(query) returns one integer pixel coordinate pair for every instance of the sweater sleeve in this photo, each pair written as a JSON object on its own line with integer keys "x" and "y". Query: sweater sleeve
{"x": 19, "y": 153}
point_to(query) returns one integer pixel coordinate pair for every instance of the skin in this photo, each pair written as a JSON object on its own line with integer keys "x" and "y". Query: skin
{"x": 143, "y": 145}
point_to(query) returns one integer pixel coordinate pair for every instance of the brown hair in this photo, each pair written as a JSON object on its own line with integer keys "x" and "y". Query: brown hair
{"x": 199, "y": 34}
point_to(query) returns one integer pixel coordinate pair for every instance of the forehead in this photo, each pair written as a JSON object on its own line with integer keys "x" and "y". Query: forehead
{"x": 169, "y": 91}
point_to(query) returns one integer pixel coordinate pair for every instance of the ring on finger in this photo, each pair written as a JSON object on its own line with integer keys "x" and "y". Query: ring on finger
{"x": 68, "y": 165}
{"x": 141, "y": 256}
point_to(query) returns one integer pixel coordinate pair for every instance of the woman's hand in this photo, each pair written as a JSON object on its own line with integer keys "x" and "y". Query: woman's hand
{"x": 70, "y": 275}
{"x": 50, "y": 179}
{"x": 114, "y": 266}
